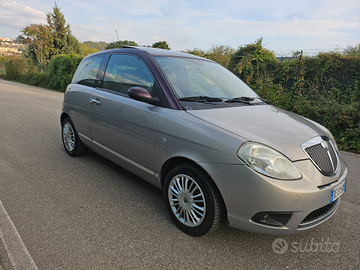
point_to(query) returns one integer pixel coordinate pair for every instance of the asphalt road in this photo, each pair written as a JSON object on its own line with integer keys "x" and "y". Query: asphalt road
{"x": 88, "y": 213}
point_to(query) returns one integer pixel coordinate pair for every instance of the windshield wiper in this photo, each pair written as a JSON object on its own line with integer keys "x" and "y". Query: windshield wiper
{"x": 201, "y": 99}
{"x": 246, "y": 100}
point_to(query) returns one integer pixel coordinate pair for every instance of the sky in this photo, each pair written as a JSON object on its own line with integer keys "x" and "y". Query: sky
{"x": 189, "y": 24}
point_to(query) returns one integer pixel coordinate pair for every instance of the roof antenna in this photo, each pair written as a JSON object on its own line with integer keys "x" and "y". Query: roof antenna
{"x": 117, "y": 35}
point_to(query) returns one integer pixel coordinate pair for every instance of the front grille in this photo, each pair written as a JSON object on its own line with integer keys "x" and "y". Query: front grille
{"x": 319, "y": 214}
{"x": 323, "y": 155}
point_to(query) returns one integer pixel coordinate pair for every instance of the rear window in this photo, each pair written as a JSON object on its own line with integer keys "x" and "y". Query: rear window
{"x": 87, "y": 71}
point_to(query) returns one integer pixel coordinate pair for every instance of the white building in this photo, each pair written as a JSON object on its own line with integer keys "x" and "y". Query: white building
{"x": 9, "y": 47}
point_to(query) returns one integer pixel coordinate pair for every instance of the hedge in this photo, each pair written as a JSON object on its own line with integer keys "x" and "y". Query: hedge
{"x": 325, "y": 88}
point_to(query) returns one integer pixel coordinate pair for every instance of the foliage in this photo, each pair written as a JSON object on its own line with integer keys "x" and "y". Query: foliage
{"x": 252, "y": 60}
{"x": 99, "y": 46}
{"x": 40, "y": 42}
{"x": 85, "y": 50}
{"x": 161, "y": 45}
{"x": 2, "y": 66}
{"x": 353, "y": 51}
{"x": 57, "y": 75}
{"x": 274, "y": 93}
{"x": 15, "y": 68}
{"x": 196, "y": 51}
{"x": 341, "y": 119}
{"x": 120, "y": 43}
{"x": 45, "y": 41}
{"x": 64, "y": 42}
{"x": 62, "y": 69}
{"x": 220, "y": 54}
{"x": 257, "y": 67}
{"x": 327, "y": 91}
{"x": 334, "y": 76}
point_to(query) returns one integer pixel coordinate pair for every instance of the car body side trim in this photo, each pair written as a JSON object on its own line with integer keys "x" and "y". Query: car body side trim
{"x": 118, "y": 155}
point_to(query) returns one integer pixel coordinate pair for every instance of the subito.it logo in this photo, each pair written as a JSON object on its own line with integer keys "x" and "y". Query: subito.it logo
{"x": 280, "y": 246}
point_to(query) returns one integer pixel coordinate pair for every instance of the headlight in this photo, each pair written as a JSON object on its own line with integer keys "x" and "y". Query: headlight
{"x": 267, "y": 161}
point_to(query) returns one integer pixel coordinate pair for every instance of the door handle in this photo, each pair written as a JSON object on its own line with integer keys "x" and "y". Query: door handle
{"x": 95, "y": 101}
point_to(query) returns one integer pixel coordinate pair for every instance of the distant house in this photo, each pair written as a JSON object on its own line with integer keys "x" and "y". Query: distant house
{"x": 9, "y": 47}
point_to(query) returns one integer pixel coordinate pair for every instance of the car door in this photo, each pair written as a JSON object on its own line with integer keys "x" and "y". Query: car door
{"x": 123, "y": 129}
{"x": 78, "y": 93}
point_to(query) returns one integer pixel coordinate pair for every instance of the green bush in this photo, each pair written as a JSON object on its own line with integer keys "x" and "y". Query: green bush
{"x": 272, "y": 92}
{"x": 62, "y": 69}
{"x": 15, "y": 68}
{"x": 333, "y": 75}
{"x": 57, "y": 75}
{"x": 41, "y": 79}
{"x": 252, "y": 61}
{"x": 341, "y": 119}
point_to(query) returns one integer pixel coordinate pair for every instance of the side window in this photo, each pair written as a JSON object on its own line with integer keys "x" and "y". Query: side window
{"x": 87, "y": 71}
{"x": 125, "y": 71}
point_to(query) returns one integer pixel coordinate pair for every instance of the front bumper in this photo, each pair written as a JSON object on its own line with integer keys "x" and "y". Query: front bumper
{"x": 261, "y": 204}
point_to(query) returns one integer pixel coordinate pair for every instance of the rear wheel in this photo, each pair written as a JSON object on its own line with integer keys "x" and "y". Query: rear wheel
{"x": 70, "y": 138}
{"x": 192, "y": 200}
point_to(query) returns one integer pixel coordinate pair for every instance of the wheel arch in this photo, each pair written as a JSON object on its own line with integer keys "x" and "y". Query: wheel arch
{"x": 177, "y": 160}
{"x": 63, "y": 116}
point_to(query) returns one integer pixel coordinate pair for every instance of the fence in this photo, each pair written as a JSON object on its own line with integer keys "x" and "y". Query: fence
{"x": 289, "y": 54}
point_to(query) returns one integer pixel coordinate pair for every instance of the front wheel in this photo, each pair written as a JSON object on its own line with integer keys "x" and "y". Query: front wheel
{"x": 192, "y": 200}
{"x": 70, "y": 139}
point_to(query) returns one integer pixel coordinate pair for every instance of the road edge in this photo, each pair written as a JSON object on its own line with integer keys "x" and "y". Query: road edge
{"x": 15, "y": 248}
{"x": 5, "y": 262}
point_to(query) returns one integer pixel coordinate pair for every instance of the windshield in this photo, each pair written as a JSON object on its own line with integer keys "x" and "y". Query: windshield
{"x": 197, "y": 78}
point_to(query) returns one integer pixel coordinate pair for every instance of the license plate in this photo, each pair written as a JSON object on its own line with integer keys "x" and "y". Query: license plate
{"x": 338, "y": 191}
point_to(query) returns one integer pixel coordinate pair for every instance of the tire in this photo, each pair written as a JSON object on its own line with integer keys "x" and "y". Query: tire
{"x": 192, "y": 200}
{"x": 70, "y": 139}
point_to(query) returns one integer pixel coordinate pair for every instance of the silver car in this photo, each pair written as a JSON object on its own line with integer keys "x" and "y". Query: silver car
{"x": 219, "y": 152}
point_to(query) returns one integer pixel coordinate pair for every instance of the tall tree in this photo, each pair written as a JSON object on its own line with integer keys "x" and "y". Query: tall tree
{"x": 40, "y": 42}
{"x": 64, "y": 41}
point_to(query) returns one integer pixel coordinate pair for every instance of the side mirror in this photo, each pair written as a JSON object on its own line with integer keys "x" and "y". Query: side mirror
{"x": 141, "y": 94}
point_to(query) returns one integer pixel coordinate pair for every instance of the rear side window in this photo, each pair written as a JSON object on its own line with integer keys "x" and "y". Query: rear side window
{"x": 87, "y": 71}
{"x": 125, "y": 71}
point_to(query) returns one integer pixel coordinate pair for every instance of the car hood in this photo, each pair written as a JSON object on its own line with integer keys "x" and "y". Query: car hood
{"x": 269, "y": 125}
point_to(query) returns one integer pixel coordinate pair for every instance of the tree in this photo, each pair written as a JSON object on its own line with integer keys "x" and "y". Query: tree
{"x": 257, "y": 67}
{"x": 353, "y": 51}
{"x": 99, "y": 46}
{"x": 161, "y": 45}
{"x": 85, "y": 50}
{"x": 64, "y": 41}
{"x": 220, "y": 54}
{"x": 45, "y": 41}
{"x": 196, "y": 51}
{"x": 40, "y": 42}
{"x": 251, "y": 60}
{"x": 120, "y": 43}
